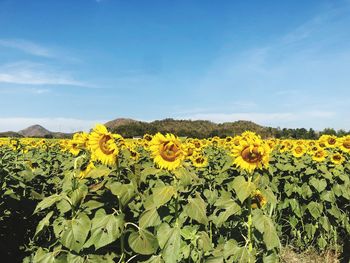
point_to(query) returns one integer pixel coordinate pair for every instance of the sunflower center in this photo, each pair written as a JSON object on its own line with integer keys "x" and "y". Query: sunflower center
{"x": 251, "y": 156}
{"x": 169, "y": 152}
{"x": 200, "y": 160}
{"x": 319, "y": 154}
{"x": 336, "y": 157}
{"x": 332, "y": 141}
{"x": 103, "y": 145}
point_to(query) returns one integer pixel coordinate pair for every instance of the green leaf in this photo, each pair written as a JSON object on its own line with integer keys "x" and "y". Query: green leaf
{"x": 154, "y": 259}
{"x": 75, "y": 232}
{"x": 47, "y": 202}
{"x": 42, "y": 256}
{"x": 196, "y": 209}
{"x": 242, "y": 188}
{"x": 315, "y": 209}
{"x": 105, "y": 229}
{"x": 169, "y": 240}
{"x": 265, "y": 225}
{"x": 43, "y": 222}
{"x": 230, "y": 208}
{"x": 98, "y": 172}
{"x": 143, "y": 242}
{"x": 123, "y": 191}
{"x": 204, "y": 242}
{"x": 163, "y": 194}
{"x": 271, "y": 258}
{"x": 319, "y": 185}
{"x": 149, "y": 218}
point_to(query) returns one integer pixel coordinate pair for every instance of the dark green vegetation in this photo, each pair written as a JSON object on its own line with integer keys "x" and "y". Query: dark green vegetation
{"x": 129, "y": 128}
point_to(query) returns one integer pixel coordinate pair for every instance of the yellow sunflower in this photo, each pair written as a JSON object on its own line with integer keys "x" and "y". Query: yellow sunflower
{"x": 102, "y": 145}
{"x": 319, "y": 155}
{"x": 167, "y": 151}
{"x": 299, "y": 150}
{"x": 344, "y": 144}
{"x": 337, "y": 158}
{"x": 251, "y": 153}
{"x": 199, "y": 160}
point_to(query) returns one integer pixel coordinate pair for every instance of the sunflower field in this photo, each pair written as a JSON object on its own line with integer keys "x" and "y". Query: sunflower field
{"x": 102, "y": 198}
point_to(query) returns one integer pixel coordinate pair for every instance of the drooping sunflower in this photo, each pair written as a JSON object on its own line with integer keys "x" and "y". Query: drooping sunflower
{"x": 167, "y": 151}
{"x": 251, "y": 153}
{"x": 102, "y": 145}
{"x": 84, "y": 171}
{"x": 258, "y": 200}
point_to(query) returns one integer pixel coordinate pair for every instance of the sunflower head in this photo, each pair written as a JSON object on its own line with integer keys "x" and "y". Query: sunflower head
{"x": 102, "y": 145}
{"x": 319, "y": 155}
{"x": 251, "y": 153}
{"x": 167, "y": 151}
{"x": 199, "y": 160}
{"x": 344, "y": 144}
{"x": 337, "y": 158}
{"x": 298, "y": 150}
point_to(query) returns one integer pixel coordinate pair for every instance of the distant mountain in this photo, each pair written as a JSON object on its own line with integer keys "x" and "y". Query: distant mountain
{"x": 119, "y": 122}
{"x": 35, "y": 131}
{"x": 10, "y": 134}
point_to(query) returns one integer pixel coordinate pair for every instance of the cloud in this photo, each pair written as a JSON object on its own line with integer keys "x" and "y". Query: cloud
{"x": 27, "y": 47}
{"x": 29, "y": 73}
{"x": 31, "y": 90}
{"x": 52, "y": 124}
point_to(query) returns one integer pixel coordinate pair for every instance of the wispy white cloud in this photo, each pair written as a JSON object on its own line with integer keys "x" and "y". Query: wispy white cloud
{"x": 52, "y": 124}
{"x": 27, "y": 47}
{"x": 31, "y": 90}
{"x": 29, "y": 73}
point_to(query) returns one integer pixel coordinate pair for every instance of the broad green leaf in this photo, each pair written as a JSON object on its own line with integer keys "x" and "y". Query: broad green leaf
{"x": 318, "y": 184}
{"x": 100, "y": 171}
{"x": 230, "y": 208}
{"x": 163, "y": 194}
{"x": 143, "y": 242}
{"x": 43, "y": 222}
{"x": 41, "y": 256}
{"x": 123, "y": 191}
{"x": 196, "y": 209}
{"x": 154, "y": 259}
{"x": 47, "y": 202}
{"x": 149, "y": 218}
{"x": 169, "y": 240}
{"x": 242, "y": 188}
{"x": 105, "y": 229}
{"x": 75, "y": 232}
{"x": 315, "y": 209}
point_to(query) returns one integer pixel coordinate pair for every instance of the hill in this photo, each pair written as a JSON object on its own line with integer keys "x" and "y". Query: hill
{"x": 189, "y": 128}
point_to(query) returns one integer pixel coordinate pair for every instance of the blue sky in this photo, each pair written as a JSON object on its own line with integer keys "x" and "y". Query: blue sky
{"x": 69, "y": 64}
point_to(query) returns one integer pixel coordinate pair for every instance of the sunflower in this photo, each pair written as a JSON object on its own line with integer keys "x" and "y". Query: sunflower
{"x": 258, "y": 199}
{"x": 344, "y": 144}
{"x": 251, "y": 153}
{"x": 102, "y": 145}
{"x": 199, "y": 160}
{"x": 86, "y": 169}
{"x": 319, "y": 155}
{"x": 337, "y": 158}
{"x": 167, "y": 151}
{"x": 298, "y": 150}
{"x": 74, "y": 148}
